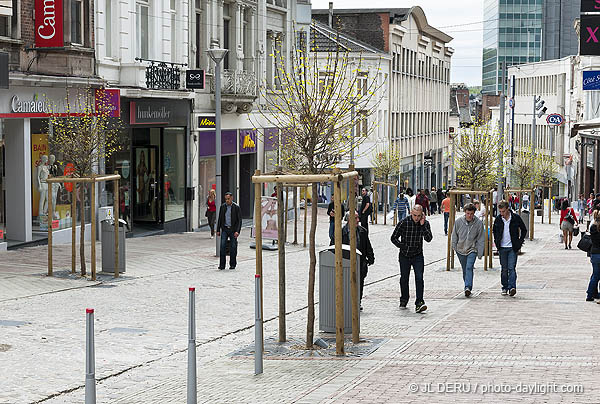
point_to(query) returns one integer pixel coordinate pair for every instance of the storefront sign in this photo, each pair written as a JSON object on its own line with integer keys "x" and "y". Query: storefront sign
{"x": 40, "y": 102}
{"x": 591, "y": 80}
{"x": 247, "y": 141}
{"x": 195, "y": 79}
{"x": 590, "y": 6}
{"x": 589, "y": 40}
{"x": 108, "y": 100}
{"x": 49, "y": 23}
{"x": 206, "y": 122}
{"x": 144, "y": 112}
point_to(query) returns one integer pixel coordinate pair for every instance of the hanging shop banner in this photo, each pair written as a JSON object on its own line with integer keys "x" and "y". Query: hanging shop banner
{"x": 590, "y": 6}
{"x": 589, "y": 38}
{"x": 108, "y": 100}
{"x": 49, "y": 24}
{"x": 268, "y": 218}
{"x": 591, "y": 80}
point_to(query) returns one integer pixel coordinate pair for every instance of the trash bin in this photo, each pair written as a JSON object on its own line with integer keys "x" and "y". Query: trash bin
{"x": 108, "y": 245}
{"x": 525, "y": 217}
{"x": 327, "y": 289}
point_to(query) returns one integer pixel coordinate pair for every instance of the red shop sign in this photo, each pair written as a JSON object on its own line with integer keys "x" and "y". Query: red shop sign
{"x": 49, "y": 24}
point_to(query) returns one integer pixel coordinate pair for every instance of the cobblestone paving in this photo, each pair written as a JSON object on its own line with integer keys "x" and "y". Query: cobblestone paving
{"x": 462, "y": 350}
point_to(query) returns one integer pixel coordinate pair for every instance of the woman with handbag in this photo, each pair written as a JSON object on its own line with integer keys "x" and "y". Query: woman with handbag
{"x": 568, "y": 219}
{"x": 211, "y": 211}
{"x": 592, "y": 290}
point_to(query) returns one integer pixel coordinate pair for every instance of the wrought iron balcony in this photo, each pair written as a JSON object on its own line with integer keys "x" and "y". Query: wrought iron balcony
{"x": 162, "y": 75}
{"x": 237, "y": 82}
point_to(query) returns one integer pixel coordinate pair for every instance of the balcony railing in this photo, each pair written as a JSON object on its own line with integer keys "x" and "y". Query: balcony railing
{"x": 237, "y": 82}
{"x": 162, "y": 75}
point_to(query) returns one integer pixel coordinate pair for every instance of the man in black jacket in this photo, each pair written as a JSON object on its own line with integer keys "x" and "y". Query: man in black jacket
{"x": 509, "y": 235}
{"x": 230, "y": 223}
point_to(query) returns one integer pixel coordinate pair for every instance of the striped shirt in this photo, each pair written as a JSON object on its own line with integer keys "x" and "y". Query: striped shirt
{"x": 401, "y": 204}
{"x": 408, "y": 237}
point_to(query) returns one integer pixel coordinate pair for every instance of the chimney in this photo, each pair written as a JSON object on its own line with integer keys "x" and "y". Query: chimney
{"x": 331, "y": 14}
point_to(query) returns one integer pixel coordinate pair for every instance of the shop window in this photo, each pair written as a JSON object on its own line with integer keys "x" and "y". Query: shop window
{"x": 206, "y": 180}
{"x": 174, "y": 173}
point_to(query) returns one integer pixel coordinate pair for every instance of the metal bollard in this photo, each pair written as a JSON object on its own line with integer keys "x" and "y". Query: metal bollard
{"x": 90, "y": 358}
{"x": 258, "y": 331}
{"x": 192, "y": 394}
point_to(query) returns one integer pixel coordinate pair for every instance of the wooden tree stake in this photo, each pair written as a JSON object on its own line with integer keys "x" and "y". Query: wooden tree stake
{"x": 339, "y": 271}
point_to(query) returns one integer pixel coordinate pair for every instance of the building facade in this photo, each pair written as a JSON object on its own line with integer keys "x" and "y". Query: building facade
{"x": 48, "y": 63}
{"x": 559, "y": 39}
{"x": 512, "y": 34}
{"x": 419, "y": 86}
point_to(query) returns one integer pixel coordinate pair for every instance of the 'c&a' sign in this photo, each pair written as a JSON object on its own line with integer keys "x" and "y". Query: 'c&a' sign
{"x": 49, "y": 23}
{"x": 589, "y": 39}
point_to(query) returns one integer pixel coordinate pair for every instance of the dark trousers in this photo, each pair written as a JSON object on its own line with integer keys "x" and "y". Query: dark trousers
{"x": 364, "y": 221}
{"x": 211, "y": 222}
{"x": 363, "y": 274}
{"x": 227, "y": 235}
{"x": 433, "y": 207}
{"x": 446, "y": 217}
{"x": 418, "y": 265}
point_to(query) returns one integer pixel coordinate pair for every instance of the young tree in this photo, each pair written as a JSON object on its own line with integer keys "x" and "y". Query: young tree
{"x": 477, "y": 160}
{"x": 317, "y": 96}
{"x": 547, "y": 170}
{"x": 525, "y": 169}
{"x": 386, "y": 163}
{"x": 85, "y": 136}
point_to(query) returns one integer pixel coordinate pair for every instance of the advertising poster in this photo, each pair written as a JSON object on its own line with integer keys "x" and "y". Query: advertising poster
{"x": 39, "y": 148}
{"x": 268, "y": 218}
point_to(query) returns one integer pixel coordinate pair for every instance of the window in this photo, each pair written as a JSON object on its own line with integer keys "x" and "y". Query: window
{"x": 226, "y": 34}
{"x": 77, "y": 22}
{"x": 9, "y": 21}
{"x": 143, "y": 25}
{"x": 108, "y": 29}
{"x": 173, "y": 32}
{"x": 198, "y": 28}
{"x": 362, "y": 124}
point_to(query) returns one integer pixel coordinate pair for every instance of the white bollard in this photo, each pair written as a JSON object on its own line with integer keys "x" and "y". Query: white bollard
{"x": 258, "y": 331}
{"x": 90, "y": 359}
{"x": 192, "y": 393}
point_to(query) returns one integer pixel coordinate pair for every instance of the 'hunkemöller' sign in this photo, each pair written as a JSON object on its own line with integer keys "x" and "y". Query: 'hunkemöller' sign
{"x": 49, "y": 23}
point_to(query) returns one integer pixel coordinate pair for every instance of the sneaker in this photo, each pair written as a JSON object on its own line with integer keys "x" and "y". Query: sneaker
{"x": 504, "y": 292}
{"x": 467, "y": 292}
{"x": 589, "y": 299}
{"x": 569, "y": 246}
{"x": 231, "y": 267}
{"x": 402, "y": 305}
{"x": 513, "y": 292}
{"x": 361, "y": 309}
{"x": 211, "y": 237}
{"x": 598, "y": 301}
{"x": 420, "y": 308}
{"x": 566, "y": 248}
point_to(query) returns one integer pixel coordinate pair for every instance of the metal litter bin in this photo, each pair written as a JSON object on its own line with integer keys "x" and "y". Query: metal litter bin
{"x": 108, "y": 245}
{"x": 525, "y": 216}
{"x": 327, "y": 289}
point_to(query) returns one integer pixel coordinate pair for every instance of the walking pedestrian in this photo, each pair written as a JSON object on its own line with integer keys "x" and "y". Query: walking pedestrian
{"x": 581, "y": 204}
{"x": 433, "y": 200}
{"x": 365, "y": 209}
{"x": 331, "y": 214}
{"x": 468, "y": 240}
{"x": 509, "y": 235}
{"x": 592, "y": 290}
{"x": 423, "y": 201}
{"x": 402, "y": 205}
{"x": 589, "y": 203}
{"x": 408, "y": 237}
{"x": 568, "y": 219}
{"x": 446, "y": 209}
{"x": 363, "y": 244}
{"x": 211, "y": 211}
{"x": 525, "y": 201}
{"x": 495, "y": 201}
{"x": 411, "y": 198}
{"x": 440, "y": 198}
{"x": 596, "y": 202}
{"x": 230, "y": 224}
{"x": 479, "y": 210}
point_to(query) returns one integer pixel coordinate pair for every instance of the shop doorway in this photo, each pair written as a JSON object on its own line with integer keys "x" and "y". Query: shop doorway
{"x": 2, "y": 196}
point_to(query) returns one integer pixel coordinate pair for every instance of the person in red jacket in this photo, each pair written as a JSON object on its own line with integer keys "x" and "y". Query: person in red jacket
{"x": 568, "y": 219}
{"x": 423, "y": 201}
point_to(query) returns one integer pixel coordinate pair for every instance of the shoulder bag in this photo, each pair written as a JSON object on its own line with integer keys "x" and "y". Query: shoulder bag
{"x": 585, "y": 244}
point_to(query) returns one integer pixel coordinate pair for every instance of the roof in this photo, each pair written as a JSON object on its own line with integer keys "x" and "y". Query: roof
{"x": 326, "y": 39}
{"x": 397, "y": 15}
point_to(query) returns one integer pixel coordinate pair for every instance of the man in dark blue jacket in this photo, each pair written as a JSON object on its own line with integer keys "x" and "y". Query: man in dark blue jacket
{"x": 230, "y": 224}
{"x": 509, "y": 235}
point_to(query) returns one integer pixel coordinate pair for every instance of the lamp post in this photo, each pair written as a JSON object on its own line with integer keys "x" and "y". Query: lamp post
{"x": 217, "y": 55}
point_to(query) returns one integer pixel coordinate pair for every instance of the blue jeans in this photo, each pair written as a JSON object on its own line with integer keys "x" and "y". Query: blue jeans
{"x": 446, "y": 217}
{"x": 331, "y": 231}
{"x": 418, "y": 265}
{"x": 227, "y": 234}
{"x": 508, "y": 262}
{"x": 467, "y": 262}
{"x": 401, "y": 214}
{"x": 592, "y": 290}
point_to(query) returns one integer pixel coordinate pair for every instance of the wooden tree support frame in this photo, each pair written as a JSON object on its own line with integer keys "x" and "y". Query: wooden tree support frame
{"x": 336, "y": 178}
{"x": 549, "y": 188}
{"x": 531, "y": 193}
{"x": 488, "y": 224}
{"x": 85, "y": 180}
{"x": 376, "y": 201}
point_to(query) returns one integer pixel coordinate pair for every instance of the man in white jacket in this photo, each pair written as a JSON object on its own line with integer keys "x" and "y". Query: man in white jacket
{"x": 468, "y": 240}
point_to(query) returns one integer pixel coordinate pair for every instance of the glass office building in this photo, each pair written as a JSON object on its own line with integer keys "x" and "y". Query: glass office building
{"x": 512, "y": 33}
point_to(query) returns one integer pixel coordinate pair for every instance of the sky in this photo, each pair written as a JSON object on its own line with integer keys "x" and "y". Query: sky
{"x": 461, "y": 19}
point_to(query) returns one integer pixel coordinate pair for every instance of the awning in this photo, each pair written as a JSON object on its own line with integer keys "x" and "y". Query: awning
{"x": 585, "y": 126}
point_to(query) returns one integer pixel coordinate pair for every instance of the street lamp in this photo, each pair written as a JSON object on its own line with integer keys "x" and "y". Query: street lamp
{"x": 217, "y": 55}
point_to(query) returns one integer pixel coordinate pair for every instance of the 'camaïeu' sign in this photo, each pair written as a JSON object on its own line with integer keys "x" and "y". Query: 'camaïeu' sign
{"x": 49, "y": 24}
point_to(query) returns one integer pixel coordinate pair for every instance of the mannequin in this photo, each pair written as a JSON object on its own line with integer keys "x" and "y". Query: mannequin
{"x": 42, "y": 186}
{"x": 54, "y": 171}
